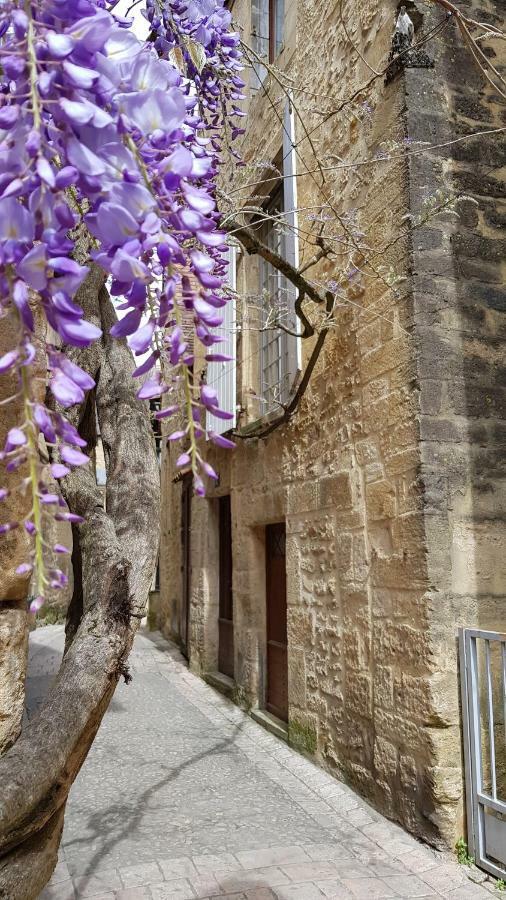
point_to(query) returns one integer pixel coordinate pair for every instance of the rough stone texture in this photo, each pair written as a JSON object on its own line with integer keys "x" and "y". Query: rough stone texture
{"x": 459, "y": 303}
{"x": 201, "y": 802}
{"x": 390, "y": 477}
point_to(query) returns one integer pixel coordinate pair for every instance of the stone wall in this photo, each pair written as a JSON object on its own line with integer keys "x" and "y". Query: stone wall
{"x": 380, "y": 475}
{"x": 459, "y": 268}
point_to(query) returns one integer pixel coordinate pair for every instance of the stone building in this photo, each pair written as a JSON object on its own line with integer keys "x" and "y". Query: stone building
{"x": 322, "y": 580}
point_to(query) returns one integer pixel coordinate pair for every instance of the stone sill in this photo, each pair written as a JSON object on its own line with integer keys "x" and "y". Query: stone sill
{"x": 271, "y": 723}
{"x": 221, "y": 683}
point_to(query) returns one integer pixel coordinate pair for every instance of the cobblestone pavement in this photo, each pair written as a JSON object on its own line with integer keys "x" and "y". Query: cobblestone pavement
{"x": 184, "y": 796}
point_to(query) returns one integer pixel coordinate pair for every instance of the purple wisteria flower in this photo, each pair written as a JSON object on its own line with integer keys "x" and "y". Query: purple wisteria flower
{"x": 97, "y": 127}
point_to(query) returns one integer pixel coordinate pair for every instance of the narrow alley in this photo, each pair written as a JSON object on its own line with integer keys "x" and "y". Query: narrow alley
{"x": 184, "y": 796}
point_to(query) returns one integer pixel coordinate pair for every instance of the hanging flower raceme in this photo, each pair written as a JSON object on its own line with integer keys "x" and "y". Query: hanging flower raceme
{"x": 97, "y": 127}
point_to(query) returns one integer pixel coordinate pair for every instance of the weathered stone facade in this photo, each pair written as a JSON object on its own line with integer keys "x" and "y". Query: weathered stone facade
{"x": 390, "y": 476}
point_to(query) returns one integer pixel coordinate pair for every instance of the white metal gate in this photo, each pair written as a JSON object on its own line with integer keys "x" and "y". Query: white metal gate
{"x": 483, "y": 686}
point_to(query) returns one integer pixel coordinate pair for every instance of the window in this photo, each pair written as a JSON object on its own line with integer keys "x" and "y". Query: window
{"x": 277, "y": 368}
{"x": 267, "y": 19}
{"x": 279, "y": 349}
{"x": 155, "y": 405}
{"x": 222, "y": 375}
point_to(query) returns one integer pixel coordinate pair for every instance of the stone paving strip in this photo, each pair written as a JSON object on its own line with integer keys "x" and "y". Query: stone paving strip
{"x": 184, "y": 796}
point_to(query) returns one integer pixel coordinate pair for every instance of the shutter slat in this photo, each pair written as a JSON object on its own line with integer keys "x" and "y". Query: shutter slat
{"x": 292, "y": 220}
{"x": 222, "y": 375}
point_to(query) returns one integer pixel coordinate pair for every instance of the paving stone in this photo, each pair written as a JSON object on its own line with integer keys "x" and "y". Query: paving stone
{"x": 468, "y": 892}
{"x": 369, "y": 888}
{"x": 136, "y": 893}
{"x": 98, "y": 883}
{"x": 228, "y": 897}
{"x": 109, "y": 896}
{"x": 63, "y": 891}
{"x": 410, "y": 886}
{"x": 311, "y": 870}
{"x": 204, "y": 885}
{"x": 147, "y": 873}
{"x": 334, "y": 890}
{"x": 242, "y": 881}
{"x": 222, "y": 862}
{"x": 61, "y": 873}
{"x": 444, "y": 878}
{"x": 328, "y": 852}
{"x": 305, "y": 891}
{"x": 260, "y": 894}
{"x": 384, "y": 867}
{"x": 274, "y": 856}
{"x": 389, "y": 837}
{"x": 181, "y": 867}
{"x": 359, "y": 816}
{"x": 419, "y": 860}
{"x": 347, "y": 868}
{"x": 178, "y": 889}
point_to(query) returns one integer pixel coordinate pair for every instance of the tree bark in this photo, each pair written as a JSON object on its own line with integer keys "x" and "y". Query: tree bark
{"x": 37, "y": 772}
{"x": 14, "y": 548}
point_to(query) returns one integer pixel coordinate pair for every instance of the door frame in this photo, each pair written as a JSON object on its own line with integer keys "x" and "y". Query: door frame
{"x": 225, "y": 591}
{"x": 186, "y": 566}
{"x": 272, "y": 708}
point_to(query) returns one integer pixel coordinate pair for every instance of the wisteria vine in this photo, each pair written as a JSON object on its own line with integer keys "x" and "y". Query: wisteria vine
{"x": 125, "y": 137}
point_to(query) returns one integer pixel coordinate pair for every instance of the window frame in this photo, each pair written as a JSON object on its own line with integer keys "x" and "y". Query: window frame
{"x": 286, "y": 190}
{"x": 275, "y": 41}
{"x": 271, "y": 19}
{"x": 273, "y": 343}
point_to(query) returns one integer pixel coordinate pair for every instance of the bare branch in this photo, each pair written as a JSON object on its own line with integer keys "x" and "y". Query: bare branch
{"x": 253, "y": 245}
{"x": 251, "y": 432}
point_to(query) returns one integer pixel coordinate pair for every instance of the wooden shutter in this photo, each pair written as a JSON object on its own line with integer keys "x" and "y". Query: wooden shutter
{"x": 292, "y": 220}
{"x": 222, "y": 375}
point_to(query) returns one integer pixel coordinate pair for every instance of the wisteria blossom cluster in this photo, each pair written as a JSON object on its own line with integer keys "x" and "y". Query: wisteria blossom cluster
{"x": 98, "y": 127}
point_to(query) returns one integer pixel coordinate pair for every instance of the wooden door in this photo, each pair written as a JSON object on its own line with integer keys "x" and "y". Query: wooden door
{"x": 226, "y": 610}
{"x": 186, "y": 509}
{"x": 277, "y": 655}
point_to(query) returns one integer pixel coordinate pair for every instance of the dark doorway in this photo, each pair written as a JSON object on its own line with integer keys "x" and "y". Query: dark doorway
{"x": 186, "y": 512}
{"x": 226, "y": 611}
{"x": 277, "y": 655}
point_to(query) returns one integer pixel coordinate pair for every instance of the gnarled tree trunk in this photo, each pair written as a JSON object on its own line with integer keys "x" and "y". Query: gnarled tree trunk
{"x": 109, "y": 600}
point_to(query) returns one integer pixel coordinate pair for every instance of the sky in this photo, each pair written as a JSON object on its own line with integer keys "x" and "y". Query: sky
{"x": 140, "y": 24}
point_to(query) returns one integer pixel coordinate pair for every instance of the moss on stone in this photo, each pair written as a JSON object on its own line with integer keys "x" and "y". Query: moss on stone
{"x": 302, "y": 736}
{"x": 241, "y": 698}
{"x": 52, "y": 615}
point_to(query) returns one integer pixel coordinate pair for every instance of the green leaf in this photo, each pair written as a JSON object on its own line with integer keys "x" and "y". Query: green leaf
{"x": 197, "y": 55}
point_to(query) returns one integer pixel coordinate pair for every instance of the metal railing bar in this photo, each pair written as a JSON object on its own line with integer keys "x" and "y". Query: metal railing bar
{"x": 475, "y": 734}
{"x": 486, "y": 635}
{"x": 491, "y": 867}
{"x": 491, "y": 734}
{"x": 479, "y": 686}
{"x": 475, "y": 717}
{"x": 490, "y": 803}
{"x": 466, "y": 730}
{"x": 503, "y": 653}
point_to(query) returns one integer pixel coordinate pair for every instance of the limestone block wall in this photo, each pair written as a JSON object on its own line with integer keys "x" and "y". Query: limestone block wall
{"x": 459, "y": 269}
{"x": 385, "y": 477}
